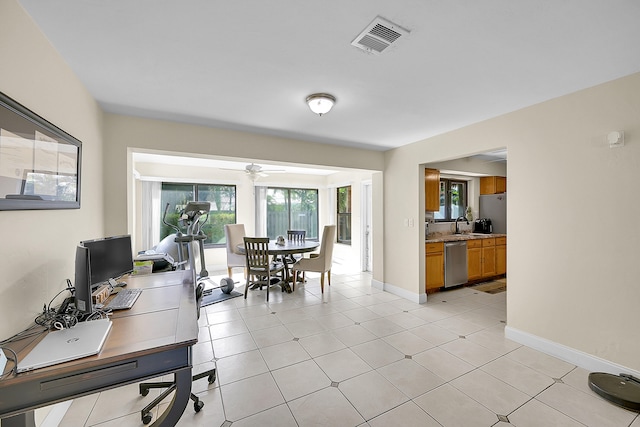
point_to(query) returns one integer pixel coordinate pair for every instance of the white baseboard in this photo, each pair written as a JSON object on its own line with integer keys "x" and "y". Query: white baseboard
{"x": 403, "y": 293}
{"x": 575, "y": 357}
{"x": 376, "y": 284}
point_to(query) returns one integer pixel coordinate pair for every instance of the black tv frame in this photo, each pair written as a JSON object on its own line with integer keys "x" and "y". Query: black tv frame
{"x": 29, "y": 156}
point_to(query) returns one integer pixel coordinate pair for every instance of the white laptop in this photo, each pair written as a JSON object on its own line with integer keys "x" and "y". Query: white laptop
{"x": 84, "y": 339}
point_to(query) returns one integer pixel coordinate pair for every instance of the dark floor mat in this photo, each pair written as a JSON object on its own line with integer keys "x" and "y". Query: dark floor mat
{"x": 217, "y": 295}
{"x": 491, "y": 287}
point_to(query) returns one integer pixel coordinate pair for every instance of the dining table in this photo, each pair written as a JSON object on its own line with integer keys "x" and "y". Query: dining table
{"x": 288, "y": 247}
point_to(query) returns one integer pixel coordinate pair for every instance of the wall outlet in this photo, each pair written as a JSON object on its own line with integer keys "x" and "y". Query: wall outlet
{"x": 3, "y": 361}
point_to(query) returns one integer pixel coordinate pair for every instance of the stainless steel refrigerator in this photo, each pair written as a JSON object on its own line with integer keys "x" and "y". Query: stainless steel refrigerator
{"x": 494, "y": 207}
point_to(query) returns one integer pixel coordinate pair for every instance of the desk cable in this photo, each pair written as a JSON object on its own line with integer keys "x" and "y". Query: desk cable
{"x": 43, "y": 321}
{"x": 50, "y": 318}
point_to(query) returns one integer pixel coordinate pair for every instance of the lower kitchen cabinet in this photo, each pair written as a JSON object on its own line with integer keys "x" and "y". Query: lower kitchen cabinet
{"x": 488, "y": 257}
{"x": 474, "y": 259}
{"x": 434, "y": 265}
{"x": 501, "y": 255}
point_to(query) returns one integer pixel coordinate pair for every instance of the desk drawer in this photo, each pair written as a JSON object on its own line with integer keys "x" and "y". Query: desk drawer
{"x": 38, "y": 388}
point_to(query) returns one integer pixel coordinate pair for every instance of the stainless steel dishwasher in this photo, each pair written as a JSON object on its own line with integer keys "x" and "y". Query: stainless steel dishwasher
{"x": 455, "y": 263}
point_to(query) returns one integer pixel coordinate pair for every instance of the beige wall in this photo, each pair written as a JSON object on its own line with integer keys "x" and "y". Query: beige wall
{"x": 38, "y": 247}
{"x": 572, "y": 236}
{"x": 123, "y": 133}
{"x": 377, "y": 213}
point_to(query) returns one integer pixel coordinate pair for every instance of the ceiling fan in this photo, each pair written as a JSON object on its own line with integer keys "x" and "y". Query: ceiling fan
{"x": 254, "y": 171}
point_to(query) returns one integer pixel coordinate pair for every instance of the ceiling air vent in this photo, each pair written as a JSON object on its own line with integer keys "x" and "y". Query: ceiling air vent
{"x": 379, "y": 35}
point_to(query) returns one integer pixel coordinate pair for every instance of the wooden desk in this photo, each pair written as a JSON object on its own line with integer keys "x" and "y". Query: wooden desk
{"x": 151, "y": 339}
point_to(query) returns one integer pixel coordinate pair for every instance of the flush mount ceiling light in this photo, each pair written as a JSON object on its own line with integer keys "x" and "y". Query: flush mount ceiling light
{"x": 321, "y": 103}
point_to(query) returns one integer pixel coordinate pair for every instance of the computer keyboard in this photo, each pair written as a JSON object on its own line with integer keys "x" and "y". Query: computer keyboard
{"x": 124, "y": 299}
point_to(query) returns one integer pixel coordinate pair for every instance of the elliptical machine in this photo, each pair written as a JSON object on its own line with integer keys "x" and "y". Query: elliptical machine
{"x": 179, "y": 245}
{"x": 175, "y": 250}
{"x": 190, "y": 219}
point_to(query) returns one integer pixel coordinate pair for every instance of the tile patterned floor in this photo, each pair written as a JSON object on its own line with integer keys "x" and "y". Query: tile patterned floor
{"x": 356, "y": 356}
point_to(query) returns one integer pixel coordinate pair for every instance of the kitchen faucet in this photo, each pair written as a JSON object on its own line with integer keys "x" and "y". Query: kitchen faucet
{"x": 458, "y": 219}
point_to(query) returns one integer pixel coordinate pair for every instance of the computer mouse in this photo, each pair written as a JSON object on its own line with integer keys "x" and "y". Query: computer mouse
{"x": 121, "y": 284}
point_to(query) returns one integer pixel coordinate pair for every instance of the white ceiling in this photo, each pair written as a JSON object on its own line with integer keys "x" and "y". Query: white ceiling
{"x": 250, "y": 64}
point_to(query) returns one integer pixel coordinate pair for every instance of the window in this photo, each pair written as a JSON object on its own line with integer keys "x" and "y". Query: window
{"x": 292, "y": 209}
{"x": 453, "y": 200}
{"x": 344, "y": 215}
{"x": 223, "y": 207}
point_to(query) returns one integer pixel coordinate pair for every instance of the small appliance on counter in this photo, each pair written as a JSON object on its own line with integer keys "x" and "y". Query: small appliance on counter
{"x": 482, "y": 225}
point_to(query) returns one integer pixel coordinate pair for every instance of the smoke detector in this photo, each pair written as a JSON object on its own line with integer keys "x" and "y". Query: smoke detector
{"x": 379, "y": 35}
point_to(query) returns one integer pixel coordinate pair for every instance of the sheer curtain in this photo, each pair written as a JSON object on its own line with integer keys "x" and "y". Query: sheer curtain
{"x": 151, "y": 213}
{"x": 261, "y": 211}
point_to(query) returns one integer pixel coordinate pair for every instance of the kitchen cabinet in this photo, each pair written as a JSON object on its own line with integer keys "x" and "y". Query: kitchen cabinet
{"x": 488, "y": 257}
{"x": 431, "y": 190}
{"x": 501, "y": 255}
{"x": 493, "y": 184}
{"x": 474, "y": 259}
{"x": 434, "y": 266}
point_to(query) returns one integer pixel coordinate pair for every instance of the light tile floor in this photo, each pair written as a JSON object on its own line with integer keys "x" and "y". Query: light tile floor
{"x": 356, "y": 356}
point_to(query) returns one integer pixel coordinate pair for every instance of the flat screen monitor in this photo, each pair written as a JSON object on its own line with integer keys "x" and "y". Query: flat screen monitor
{"x": 110, "y": 258}
{"x": 83, "y": 281}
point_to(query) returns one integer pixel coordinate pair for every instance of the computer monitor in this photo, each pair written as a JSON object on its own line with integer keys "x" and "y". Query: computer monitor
{"x": 82, "y": 282}
{"x": 110, "y": 258}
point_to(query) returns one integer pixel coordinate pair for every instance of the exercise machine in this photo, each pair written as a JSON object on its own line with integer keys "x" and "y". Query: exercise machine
{"x": 177, "y": 251}
{"x": 190, "y": 218}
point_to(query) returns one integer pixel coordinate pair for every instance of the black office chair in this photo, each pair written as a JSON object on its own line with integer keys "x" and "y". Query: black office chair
{"x": 171, "y": 386}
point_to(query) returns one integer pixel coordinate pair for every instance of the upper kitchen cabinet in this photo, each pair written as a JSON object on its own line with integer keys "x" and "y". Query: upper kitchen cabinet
{"x": 493, "y": 184}
{"x": 431, "y": 190}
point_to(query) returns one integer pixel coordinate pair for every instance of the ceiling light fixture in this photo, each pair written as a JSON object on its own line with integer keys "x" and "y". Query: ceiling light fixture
{"x": 321, "y": 103}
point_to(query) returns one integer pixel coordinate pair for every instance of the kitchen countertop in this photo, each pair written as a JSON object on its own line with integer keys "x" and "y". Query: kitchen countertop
{"x": 461, "y": 237}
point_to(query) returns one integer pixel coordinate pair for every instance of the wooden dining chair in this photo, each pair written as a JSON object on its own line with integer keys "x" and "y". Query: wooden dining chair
{"x": 296, "y": 235}
{"x": 261, "y": 269}
{"x": 289, "y": 260}
{"x": 320, "y": 262}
